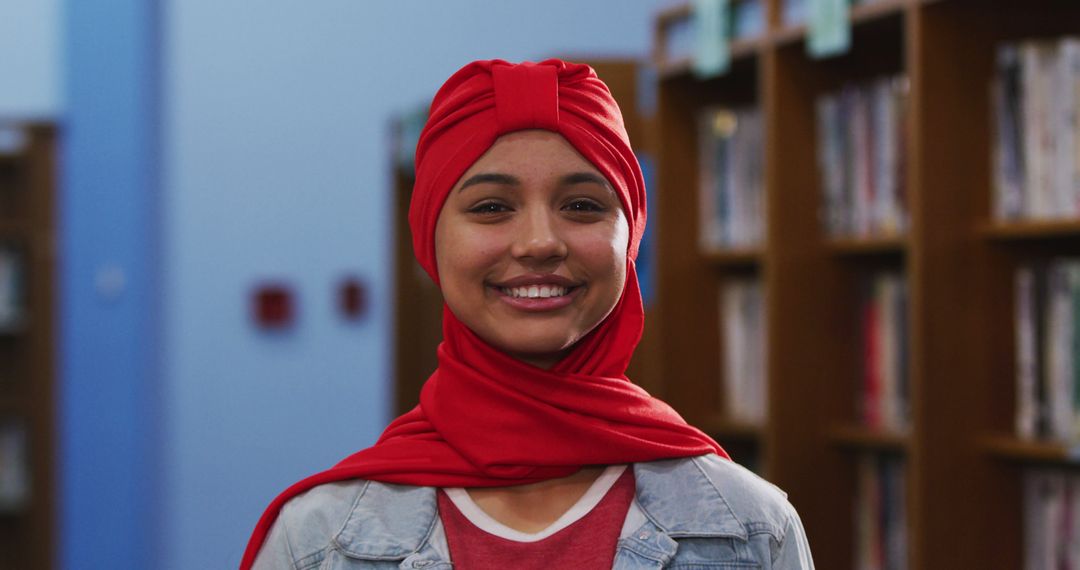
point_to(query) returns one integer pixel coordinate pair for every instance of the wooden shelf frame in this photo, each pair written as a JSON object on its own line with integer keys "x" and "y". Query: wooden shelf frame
{"x": 959, "y": 271}
{"x": 865, "y": 439}
{"x": 1029, "y": 452}
{"x": 1030, "y": 230}
{"x": 734, "y": 258}
{"x": 27, "y": 374}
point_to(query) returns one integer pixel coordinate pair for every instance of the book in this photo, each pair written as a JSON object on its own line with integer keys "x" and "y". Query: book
{"x": 1035, "y": 95}
{"x": 14, "y": 466}
{"x": 880, "y": 513}
{"x": 860, "y": 154}
{"x": 1047, "y": 348}
{"x": 883, "y": 398}
{"x": 1051, "y": 512}
{"x": 1026, "y": 353}
{"x": 12, "y": 303}
{"x": 731, "y": 178}
{"x": 742, "y": 320}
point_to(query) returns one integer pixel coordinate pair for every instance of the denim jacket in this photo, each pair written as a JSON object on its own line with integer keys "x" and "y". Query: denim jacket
{"x": 701, "y": 512}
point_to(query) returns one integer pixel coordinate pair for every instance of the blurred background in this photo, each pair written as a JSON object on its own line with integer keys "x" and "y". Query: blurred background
{"x": 211, "y": 156}
{"x": 861, "y": 271}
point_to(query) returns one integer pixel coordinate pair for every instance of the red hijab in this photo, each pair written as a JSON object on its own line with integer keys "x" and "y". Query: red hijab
{"x": 535, "y": 424}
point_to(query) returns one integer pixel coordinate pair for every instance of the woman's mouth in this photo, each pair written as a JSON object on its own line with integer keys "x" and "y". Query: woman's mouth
{"x": 539, "y": 297}
{"x": 535, "y": 291}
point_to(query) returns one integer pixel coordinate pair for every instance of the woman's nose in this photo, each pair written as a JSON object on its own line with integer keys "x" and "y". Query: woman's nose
{"x": 538, "y": 237}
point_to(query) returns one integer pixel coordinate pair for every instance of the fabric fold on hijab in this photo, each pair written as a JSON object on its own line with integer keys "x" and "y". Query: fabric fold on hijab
{"x": 533, "y": 424}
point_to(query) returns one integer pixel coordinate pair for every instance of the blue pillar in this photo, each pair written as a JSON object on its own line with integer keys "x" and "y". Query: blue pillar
{"x": 108, "y": 250}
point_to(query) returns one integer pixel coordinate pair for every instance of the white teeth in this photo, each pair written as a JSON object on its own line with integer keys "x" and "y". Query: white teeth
{"x": 535, "y": 291}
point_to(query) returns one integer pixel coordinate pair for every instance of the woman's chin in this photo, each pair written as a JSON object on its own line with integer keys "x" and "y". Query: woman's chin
{"x": 542, "y": 355}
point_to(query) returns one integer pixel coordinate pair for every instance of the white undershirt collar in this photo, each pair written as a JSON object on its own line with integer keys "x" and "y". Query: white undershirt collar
{"x": 484, "y": 522}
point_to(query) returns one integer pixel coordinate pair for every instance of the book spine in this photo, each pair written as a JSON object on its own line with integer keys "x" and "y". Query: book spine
{"x": 871, "y": 358}
{"x": 1025, "y": 353}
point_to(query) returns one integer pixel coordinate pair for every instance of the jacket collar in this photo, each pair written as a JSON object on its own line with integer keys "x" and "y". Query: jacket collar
{"x": 681, "y": 499}
{"x": 390, "y": 522}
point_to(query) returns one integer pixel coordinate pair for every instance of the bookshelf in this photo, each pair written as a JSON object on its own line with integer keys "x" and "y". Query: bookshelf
{"x": 26, "y": 345}
{"x": 963, "y": 468}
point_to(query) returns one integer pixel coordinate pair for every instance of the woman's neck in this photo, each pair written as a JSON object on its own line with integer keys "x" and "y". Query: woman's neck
{"x": 532, "y": 508}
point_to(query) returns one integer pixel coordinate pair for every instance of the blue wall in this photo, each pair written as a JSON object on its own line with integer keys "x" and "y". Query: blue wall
{"x": 30, "y": 58}
{"x": 108, "y": 399}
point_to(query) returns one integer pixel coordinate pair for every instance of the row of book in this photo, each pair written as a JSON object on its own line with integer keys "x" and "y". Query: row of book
{"x": 731, "y": 175}
{"x": 14, "y": 466}
{"x": 742, "y": 317}
{"x": 880, "y": 513}
{"x": 1036, "y": 149}
{"x": 12, "y": 307}
{"x": 1047, "y": 313}
{"x": 883, "y": 392}
{"x": 861, "y": 152}
{"x": 1051, "y": 519}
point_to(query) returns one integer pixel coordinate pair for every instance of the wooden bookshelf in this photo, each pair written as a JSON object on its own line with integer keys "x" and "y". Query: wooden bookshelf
{"x": 733, "y": 258}
{"x": 1024, "y": 452}
{"x": 27, "y": 394}
{"x": 859, "y": 438}
{"x": 1021, "y": 231}
{"x": 854, "y": 247}
{"x": 957, "y": 265}
{"x": 734, "y": 429}
{"x": 860, "y": 15}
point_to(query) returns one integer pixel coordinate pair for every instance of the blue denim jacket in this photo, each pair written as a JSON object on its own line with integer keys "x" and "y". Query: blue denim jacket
{"x": 701, "y": 512}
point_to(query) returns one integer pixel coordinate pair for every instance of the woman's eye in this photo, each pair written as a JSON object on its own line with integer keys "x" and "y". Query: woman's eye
{"x": 584, "y": 206}
{"x": 488, "y": 208}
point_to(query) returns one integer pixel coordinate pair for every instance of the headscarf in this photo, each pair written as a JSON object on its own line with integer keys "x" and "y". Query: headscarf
{"x": 486, "y": 419}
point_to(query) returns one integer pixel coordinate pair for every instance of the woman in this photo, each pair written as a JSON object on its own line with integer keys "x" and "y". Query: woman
{"x": 530, "y": 448}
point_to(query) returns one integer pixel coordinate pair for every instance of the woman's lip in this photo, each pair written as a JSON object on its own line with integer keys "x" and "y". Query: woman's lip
{"x": 537, "y": 279}
{"x": 539, "y": 304}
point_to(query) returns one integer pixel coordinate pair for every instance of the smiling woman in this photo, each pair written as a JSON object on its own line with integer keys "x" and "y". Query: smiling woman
{"x": 531, "y": 247}
{"x": 530, "y": 448}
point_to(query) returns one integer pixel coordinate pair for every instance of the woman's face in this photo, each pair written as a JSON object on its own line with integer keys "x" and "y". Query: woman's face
{"x": 531, "y": 247}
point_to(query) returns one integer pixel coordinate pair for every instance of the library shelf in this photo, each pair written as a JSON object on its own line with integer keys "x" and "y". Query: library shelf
{"x": 1030, "y": 230}
{"x": 862, "y": 247}
{"x": 18, "y": 328}
{"x": 13, "y": 229}
{"x": 11, "y": 398}
{"x": 960, "y": 280}
{"x": 859, "y": 14}
{"x": 669, "y": 65}
{"x": 27, "y": 190}
{"x": 859, "y": 438}
{"x": 733, "y": 258}
{"x": 1024, "y": 451}
{"x": 740, "y": 49}
{"x": 722, "y": 426}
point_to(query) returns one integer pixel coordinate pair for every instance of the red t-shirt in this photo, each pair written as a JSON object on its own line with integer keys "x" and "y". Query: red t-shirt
{"x": 587, "y": 543}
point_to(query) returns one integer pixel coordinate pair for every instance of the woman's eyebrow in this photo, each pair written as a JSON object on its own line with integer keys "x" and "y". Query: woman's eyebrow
{"x": 490, "y": 178}
{"x": 585, "y": 177}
